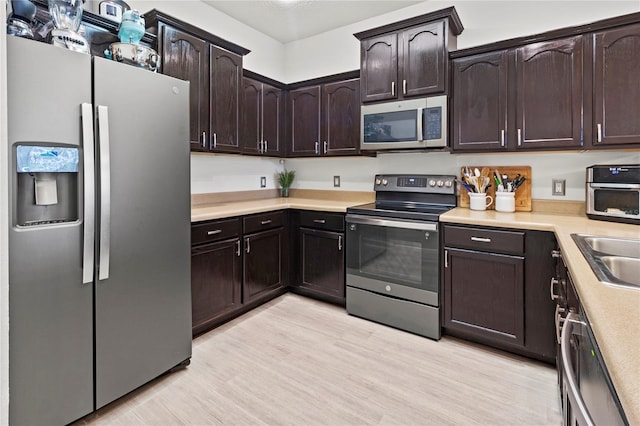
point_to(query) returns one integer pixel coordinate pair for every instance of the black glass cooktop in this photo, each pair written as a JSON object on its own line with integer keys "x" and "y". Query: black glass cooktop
{"x": 430, "y": 212}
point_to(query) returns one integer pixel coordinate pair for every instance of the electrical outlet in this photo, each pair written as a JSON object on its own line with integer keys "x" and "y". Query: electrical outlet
{"x": 263, "y": 182}
{"x": 336, "y": 181}
{"x": 558, "y": 187}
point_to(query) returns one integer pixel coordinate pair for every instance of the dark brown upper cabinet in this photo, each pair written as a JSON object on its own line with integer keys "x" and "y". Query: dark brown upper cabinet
{"x": 262, "y": 118}
{"x": 224, "y": 97}
{"x": 324, "y": 119}
{"x": 572, "y": 88}
{"x": 549, "y": 94}
{"x": 187, "y": 57}
{"x": 480, "y": 102}
{"x": 407, "y": 58}
{"x": 616, "y": 88}
{"x": 213, "y": 66}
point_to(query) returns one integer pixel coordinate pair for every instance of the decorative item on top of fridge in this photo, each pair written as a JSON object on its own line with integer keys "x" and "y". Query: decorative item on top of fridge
{"x": 20, "y": 20}
{"x": 67, "y": 17}
{"x": 129, "y": 50}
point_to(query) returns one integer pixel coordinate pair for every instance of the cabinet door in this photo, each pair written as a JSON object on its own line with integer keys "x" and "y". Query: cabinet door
{"x": 423, "y": 62}
{"x": 480, "y": 102}
{"x": 322, "y": 262}
{"x": 484, "y": 295}
{"x": 272, "y": 119}
{"x": 225, "y": 81}
{"x": 304, "y": 105}
{"x": 215, "y": 282}
{"x": 187, "y": 57}
{"x": 341, "y": 118}
{"x": 250, "y": 131}
{"x": 549, "y": 94}
{"x": 262, "y": 263}
{"x": 379, "y": 68}
{"x": 616, "y": 101}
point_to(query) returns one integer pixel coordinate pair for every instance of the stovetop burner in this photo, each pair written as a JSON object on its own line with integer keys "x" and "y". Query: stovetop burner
{"x": 415, "y": 197}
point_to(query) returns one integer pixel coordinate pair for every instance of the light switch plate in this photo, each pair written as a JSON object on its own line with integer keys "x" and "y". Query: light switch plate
{"x": 336, "y": 181}
{"x": 263, "y": 182}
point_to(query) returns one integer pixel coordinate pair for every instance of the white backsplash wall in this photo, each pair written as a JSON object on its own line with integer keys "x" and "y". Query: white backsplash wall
{"x": 356, "y": 173}
{"x": 227, "y": 173}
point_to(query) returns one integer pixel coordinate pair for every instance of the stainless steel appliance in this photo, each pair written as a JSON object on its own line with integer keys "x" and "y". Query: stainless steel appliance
{"x": 99, "y": 223}
{"x": 587, "y": 395}
{"x": 393, "y": 252}
{"x": 613, "y": 193}
{"x": 413, "y": 123}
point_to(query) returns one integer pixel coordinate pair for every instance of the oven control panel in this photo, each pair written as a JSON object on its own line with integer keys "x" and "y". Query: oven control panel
{"x": 429, "y": 184}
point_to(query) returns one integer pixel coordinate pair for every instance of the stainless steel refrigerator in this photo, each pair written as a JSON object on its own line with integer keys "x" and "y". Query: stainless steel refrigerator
{"x": 99, "y": 256}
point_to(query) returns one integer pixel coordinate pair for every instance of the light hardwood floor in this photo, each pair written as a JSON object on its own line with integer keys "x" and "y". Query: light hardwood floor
{"x": 296, "y": 361}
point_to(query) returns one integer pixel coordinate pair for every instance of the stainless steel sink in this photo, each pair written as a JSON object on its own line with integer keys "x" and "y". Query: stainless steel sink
{"x": 614, "y": 246}
{"x": 615, "y": 261}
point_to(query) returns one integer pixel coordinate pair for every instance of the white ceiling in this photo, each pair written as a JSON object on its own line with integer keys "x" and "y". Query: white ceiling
{"x": 289, "y": 20}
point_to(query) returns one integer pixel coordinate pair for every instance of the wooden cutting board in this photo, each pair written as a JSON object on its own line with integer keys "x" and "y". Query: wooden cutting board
{"x": 523, "y": 193}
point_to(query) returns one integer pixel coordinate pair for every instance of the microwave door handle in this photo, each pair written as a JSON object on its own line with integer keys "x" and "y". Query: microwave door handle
{"x": 421, "y": 129}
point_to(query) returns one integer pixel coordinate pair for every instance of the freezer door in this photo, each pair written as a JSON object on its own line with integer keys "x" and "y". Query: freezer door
{"x": 50, "y": 309}
{"x": 142, "y": 296}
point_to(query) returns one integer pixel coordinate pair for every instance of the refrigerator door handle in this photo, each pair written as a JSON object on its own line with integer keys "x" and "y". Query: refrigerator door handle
{"x": 105, "y": 192}
{"x": 88, "y": 255}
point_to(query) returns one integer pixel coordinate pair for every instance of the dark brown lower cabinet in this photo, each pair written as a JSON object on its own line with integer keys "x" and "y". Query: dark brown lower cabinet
{"x": 236, "y": 265}
{"x": 322, "y": 262}
{"x": 262, "y": 264}
{"x": 496, "y": 288}
{"x": 484, "y": 295}
{"x": 318, "y": 255}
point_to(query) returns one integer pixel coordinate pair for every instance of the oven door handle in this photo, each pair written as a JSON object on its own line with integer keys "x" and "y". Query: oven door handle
{"x": 615, "y": 185}
{"x": 366, "y": 220}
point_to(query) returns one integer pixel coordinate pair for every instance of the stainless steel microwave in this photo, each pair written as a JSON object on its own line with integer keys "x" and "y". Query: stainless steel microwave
{"x": 613, "y": 193}
{"x": 413, "y": 123}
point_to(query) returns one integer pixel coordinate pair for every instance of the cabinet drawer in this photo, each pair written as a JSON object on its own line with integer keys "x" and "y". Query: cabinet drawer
{"x": 263, "y": 221}
{"x": 508, "y": 242}
{"x": 215, "y": 231}
{"x": 322, "y": 220}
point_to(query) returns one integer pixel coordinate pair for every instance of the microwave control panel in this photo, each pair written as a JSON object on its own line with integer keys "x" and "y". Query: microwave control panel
{"x": 433, "y": 123}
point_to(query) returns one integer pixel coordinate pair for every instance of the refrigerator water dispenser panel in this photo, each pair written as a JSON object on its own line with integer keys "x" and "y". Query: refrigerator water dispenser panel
{"x": 47, "y": 184}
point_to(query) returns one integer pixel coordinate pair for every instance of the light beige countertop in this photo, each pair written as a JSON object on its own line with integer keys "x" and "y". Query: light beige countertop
{"x": 613, "y": 312}
{"x": 218, "y": 207}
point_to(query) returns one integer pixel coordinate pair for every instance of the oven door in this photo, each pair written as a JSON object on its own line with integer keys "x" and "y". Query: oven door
{"x": 392, "y": 257}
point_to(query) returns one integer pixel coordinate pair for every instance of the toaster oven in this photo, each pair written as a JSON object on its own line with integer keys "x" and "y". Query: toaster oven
{"x": 613, "y": 193}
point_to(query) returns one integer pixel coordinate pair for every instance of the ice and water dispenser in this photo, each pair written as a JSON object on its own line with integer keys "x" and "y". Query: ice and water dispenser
{"x": 46, "y": 190}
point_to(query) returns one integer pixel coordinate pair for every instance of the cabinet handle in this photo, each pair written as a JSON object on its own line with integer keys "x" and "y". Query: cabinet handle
{"x": 266, "y": 146}
{"x": 317, "y": 148}
{"x": 599, "y": 132}
{"x": 446, "y": 258}
{"x": 266, "y": 222}
{"x": 502, "y": 137}
{"x": 238, "y": 248}
{"x": 214, "y": 232}
{"x": 320, "y": 221}
{"x": 404, "y": 87}
{"x": 339, "y": 242}
{"x": 556, "y": 254}
{"x": 554, "y": 281}
{"x": 481, "y": 239}
{"x": 248, "y": 245}
{"x": 204, "y": 139}
{"x": 325, "y": 146}
{"x": 215, "y": 140}
{"x": 260, "y": 146}
{"x": 393, "y": 88}
{"x": 519, "y": 137}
